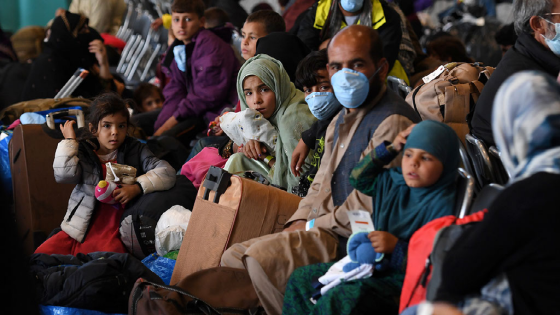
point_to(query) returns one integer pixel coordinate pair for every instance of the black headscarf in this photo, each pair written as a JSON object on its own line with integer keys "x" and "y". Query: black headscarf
{"x": 65, "y": 51}
{"x": 286, "y": 48}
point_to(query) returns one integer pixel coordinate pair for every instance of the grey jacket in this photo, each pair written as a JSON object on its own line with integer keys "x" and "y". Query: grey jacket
{"x": 76, "y": 163}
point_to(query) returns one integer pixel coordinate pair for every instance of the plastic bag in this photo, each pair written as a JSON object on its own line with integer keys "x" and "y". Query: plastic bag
{"x": 61, "y": 310}
{"x": 161, "y": 266}
{"x": 5, "y": 172}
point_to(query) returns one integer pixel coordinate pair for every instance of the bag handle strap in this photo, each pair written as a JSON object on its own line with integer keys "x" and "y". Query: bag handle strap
{"x": 414, "y": 99}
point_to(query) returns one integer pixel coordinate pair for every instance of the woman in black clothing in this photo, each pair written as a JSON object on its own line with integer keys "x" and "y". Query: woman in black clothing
{"x": 71, "y": 45}
{"x": 519, "y": 236}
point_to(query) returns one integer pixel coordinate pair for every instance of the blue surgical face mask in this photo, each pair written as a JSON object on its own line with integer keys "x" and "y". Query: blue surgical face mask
{"x": 180, "y": 57}
{"x": 351, "y": 87}
{"x": 323, "y": 105}
{"x": 554, "y": 44}
{"x": 352, "y": 6}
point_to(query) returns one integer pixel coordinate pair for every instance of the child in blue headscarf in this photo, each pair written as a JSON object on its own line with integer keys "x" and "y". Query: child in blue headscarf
{"x": 404, "y": 199}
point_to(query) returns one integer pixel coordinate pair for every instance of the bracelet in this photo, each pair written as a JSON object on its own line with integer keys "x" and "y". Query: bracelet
{"x": 227, "y": 152}
{"x": 268, "y": 159}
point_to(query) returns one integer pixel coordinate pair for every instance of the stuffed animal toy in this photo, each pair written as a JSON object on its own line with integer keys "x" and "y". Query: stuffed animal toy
{"x": 104, "y": 192}
{"x": 360, "y": 252}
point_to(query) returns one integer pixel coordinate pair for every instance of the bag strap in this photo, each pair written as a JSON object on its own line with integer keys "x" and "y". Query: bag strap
{"x": 196, "y": 303}
{"x": 414, "y": 99}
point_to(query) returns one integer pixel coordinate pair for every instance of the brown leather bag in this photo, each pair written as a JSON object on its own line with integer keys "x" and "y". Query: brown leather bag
{"x": 229, "y": 210}
{"x": 220, "y": 290}
{"x": 450, "y": 94}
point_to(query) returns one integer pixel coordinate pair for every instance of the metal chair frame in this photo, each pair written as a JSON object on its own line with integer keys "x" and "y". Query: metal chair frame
{"x": 467, "y": 200}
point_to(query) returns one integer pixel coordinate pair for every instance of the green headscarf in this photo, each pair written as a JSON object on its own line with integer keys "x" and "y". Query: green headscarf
{"x": 401, "y": 210}
{"x": 291, "y": 116}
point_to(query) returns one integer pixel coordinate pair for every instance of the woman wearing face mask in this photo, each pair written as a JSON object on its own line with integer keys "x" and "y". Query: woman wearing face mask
{"x": 326, "y": 17}
{"x": 264, "y": 85}
{"x": 71, "y": 45}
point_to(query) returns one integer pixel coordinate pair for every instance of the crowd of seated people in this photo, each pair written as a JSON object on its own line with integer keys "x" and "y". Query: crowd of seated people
{"x": 308, "y": 107}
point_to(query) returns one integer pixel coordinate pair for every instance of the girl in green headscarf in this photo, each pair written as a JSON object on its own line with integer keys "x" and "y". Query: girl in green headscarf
{"x": 264, "y": 85}
{"x": 404, "y": 199}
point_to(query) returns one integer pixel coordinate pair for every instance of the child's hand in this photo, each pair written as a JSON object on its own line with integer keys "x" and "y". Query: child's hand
{"x": 254, "y": 150}
{"x": 126, "y": 193}
{"x": 400, "y": 140}
{"x": 68, "y": 130}
{"x": 383, "y": 242}
{"x": 298, "y": 157}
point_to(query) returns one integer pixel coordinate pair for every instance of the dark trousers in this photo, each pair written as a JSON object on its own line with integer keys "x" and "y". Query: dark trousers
{"x": 185, "y": 131}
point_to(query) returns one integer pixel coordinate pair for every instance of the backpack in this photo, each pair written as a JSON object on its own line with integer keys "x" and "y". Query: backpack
{"x": 213, "y": 291}
{"x": 425, "y": 256}
{"x": 139, "y": 220}
{"x": 450, "y": 93}
{"x": 100, "y": 281}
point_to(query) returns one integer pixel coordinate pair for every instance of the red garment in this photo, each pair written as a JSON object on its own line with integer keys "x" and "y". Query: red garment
{"x": 238, "y": 107}
{"x": 419, "y": 248}
{"x": 103, "y": 234}
{"x": 290, "y": 16}
{"x": 113, "y": 41}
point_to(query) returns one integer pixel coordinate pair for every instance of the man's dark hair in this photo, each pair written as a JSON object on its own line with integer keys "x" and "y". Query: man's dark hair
{"x": 506, "y": 36}
{"x": 271, "y": 20}
{"x": 188, "y": 6}
{"x": 306, "y": 72}
{"x": 216, "y": 17}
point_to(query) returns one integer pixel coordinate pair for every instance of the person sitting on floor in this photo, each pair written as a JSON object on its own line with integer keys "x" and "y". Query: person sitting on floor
{"x": 312, "y": 76}
{"x": 71, "y": 45}
{"x": 89, "y": 225}
{"x": 518, "y": 272}
{"x": 202, "y": 68}
{"x": 404, "y": 199}
{"x": 373, "y": 114}
{"x": 265, "y": 87}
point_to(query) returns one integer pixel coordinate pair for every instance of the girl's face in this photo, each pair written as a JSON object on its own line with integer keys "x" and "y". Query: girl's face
{"x": 152, "y": 102}
{"x": 111, "y": 133}
{"x": 258, "y": 96}
{"x": 420, "y": 168}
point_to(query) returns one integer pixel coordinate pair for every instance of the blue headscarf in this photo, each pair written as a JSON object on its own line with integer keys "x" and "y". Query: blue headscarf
{"x": 526, "y": 124}
{"x": 401, "y": 210}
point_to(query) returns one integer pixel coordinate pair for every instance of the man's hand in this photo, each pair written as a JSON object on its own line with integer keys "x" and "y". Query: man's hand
{"x": 298, "y": 157}
{"x": 68, "y": 130}
{"x": 170, "y": 123}
{"x": 383, "y": 242}
{"x": 298, "y": 225}
{"x": 126, "y": 193}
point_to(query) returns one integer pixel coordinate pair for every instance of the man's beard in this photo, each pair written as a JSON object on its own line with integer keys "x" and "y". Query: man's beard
{"x": 374, "y": 88}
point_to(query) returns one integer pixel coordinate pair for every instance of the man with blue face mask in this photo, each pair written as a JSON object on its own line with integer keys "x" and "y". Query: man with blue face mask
{"x": 537, "y": 24}
{"x": 371, "y": 115}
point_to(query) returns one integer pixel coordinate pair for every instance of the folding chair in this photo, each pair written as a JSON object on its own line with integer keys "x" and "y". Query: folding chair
{"x": 398, "y": 86}
{"x": 465, "y": 193}
{"x": 501, "y": 172}
{"x": 485, "y": 197}
{"x": 483, "y": 166}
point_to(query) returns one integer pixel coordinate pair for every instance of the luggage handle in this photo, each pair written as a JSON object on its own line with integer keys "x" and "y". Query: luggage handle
{"x": 66, "y": 112}
{"x": 216, "y": 180}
